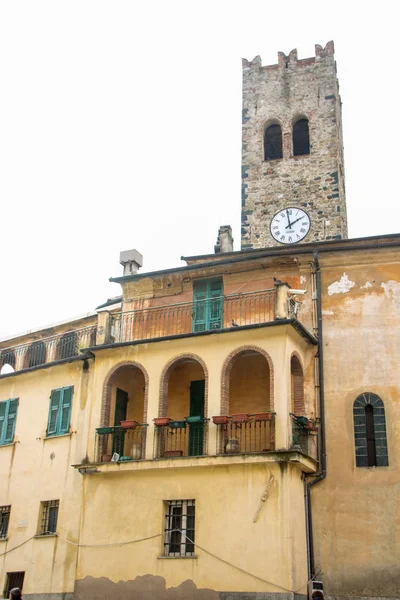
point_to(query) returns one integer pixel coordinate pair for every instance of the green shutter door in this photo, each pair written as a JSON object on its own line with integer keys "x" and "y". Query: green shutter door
{"x": 208, "y": 305}
{"x": 121, "y": 404}
{"x": 3, "y": 409}
{"x": 11, "y": 421}
{"x": 196, "y": 430}
{"x": 65, "y": 412}
{"x": 53, "y": 412}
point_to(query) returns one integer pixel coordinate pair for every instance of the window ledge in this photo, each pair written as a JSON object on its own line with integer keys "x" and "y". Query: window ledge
{"x": 56, "y": 436}
{"x": 3, "y": 539}
{"x": 7, "y": 445}
{"x": 177, "y": 557}
{"x": 42, "y": 536}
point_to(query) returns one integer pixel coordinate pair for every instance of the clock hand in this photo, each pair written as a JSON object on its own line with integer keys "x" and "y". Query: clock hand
{"x": 299, "y": 219}
{"x": 288, "y": 218}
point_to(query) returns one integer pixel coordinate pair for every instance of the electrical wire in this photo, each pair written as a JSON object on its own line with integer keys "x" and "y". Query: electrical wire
{"x": 150, "y": 537}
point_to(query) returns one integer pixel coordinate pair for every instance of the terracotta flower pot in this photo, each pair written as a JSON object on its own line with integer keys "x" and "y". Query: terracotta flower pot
{"x": 263, "y": 416}
{"x": 220, "y": 419}
{"x": 173, "y": 453}
{"x": 160, "y": 421}
{"x": 240, "y": 418}
{"x": 129, "y": 424}
{"x": 106, "y": 458}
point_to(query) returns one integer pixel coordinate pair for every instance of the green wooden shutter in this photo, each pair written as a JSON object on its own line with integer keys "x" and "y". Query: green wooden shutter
{"x": 200, "y": 306}
{"x": 53, "y": 412}
{"x": 66, "y": 405}
{"x": 216, "y": 304}
{"x": 11, "y": 421}
{"x": 3, "y": 409}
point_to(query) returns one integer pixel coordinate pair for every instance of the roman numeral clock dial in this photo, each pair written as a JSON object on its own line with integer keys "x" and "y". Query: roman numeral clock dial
{"x": 290, "y": 225}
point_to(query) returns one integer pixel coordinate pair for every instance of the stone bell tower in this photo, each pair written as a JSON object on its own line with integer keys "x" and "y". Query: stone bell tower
{"x": 292, "y": 151}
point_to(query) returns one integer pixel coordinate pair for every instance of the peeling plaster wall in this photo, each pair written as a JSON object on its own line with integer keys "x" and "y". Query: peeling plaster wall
{"x": 356, "y": 548}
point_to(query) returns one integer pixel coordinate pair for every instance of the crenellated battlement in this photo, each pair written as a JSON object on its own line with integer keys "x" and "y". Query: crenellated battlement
{"x": 292, "y": 59}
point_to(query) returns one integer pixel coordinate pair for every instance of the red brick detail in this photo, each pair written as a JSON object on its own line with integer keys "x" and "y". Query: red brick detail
{"x": 296, "y": 371}
{"x": 107, "y": 388}
{"x": 226, "y": 369}
{"x": 166, "y": 372}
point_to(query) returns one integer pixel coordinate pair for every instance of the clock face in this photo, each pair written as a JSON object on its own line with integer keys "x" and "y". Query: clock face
{"x": 290, "y": 225}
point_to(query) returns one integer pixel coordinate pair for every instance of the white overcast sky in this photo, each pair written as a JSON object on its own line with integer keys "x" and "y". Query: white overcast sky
{"x": 120, "y": 127}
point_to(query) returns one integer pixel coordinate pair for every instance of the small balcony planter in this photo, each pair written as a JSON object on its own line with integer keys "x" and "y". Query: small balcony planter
{"x": 106, "y": 458}
{"x": 194, "y": 419}
{"x": 177, "y": 424}
{"x": 173, "y": 453}
{"x": 232, "y": 446}
{"x": 162, "y": 421}
{"x": 240, "y": 418}
{"x": 125, "y": 458}
{"x": 263, "y": 416}
{"x": 104, "y": 430}
{"x": 220, "y": 419}
{"x": 129, "y": 424}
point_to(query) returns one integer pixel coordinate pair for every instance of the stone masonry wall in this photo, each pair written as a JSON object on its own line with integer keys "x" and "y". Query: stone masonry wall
{"x": 281, "y": 94}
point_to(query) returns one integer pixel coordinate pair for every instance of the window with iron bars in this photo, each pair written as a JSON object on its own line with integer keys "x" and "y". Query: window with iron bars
{"x": 179, "y": 530}
{"x": 13, "y": 580}
{"x": 48, "y": 523}
{"x": 4, "y": 521}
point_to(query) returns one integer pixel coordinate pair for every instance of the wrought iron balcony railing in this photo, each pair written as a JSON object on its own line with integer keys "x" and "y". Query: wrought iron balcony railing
{"x": 220, "y": 313}
{"x": 306, "y": 440}
{"x": 123, "y": 444}
{"x": 47, "y": 350}
{"x": 243, "y": 433}
{"x": 181, "y": 438}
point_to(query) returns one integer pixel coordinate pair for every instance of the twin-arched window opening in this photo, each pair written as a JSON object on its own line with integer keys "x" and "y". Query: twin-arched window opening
{"x": 301, "y": 138}
{"x": 273, "y": 142}
{"x": 370, "y": 431}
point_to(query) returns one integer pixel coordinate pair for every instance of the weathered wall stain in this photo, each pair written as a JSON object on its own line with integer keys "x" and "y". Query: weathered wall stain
{"x": 342, "y": 286}
{"x": 146, "y": 587}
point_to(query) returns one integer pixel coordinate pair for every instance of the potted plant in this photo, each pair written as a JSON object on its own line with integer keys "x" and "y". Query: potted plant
{"x": 161, "y": 421}
{"x": 106, "y": 458}
{"x": 194, "y": 419}
{"x": 240, "y": 418}
{"x": 220, "y": 419}
{"x": 129, "y": 424}
{"x": 104, "y": 430}
{"x": 263, "y": 416}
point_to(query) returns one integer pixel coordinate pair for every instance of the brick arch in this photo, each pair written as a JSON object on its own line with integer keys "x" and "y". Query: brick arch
{"x": 226, "y": 369}
{"x": 166, "y": 372}
{"x": 297, "y": 384}
{"x": 107, "y": 387}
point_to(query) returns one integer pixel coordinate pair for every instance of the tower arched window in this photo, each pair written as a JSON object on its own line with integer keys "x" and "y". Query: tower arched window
{"x": 370, "y": 431}
{"x": 301, "y": 137}
{"x": 273, "y": 142}
{"x": 297, "y": 386}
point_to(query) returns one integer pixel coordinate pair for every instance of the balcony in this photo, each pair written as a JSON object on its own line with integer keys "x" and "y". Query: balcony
{"x": 48, "y": 349}
{"x": 121, "y": 444}
{"x": 303, "y": 438}
{"x": 216, "y": 314}
{"x": 244, "y": 434}
{"x": 187, "y": 437}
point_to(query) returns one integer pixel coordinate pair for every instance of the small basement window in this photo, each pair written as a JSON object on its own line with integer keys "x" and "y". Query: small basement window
{"x": 179, "y": 528}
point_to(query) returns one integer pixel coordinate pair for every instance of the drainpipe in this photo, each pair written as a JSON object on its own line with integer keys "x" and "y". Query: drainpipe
{"x": 322, "y": 474}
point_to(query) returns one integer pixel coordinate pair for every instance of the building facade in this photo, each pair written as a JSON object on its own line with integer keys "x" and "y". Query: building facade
{"x": 225, "y": 430}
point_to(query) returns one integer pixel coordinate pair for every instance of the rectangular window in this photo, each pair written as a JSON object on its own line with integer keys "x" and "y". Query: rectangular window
{"x": 13, "y": 579}
{"x": 4, "y": 521}
{"x": 208, "y": 304}
{"x": 60, "y": 411}
{"x": 179, "y": 530}
{"x": 8, "y": 419}
{"x": 49, "y": 518}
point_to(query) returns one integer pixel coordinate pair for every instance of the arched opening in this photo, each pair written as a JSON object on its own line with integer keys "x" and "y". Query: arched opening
{"x": 273, "y": 142}
{"x": 67, "y": 345}
{"x": 301, "y": 137}
{"x": 370, "y": 431}
{"x": 247, "y": 400}
{"x": 183, "y": 399}
{"x": 7, "y": 361}
{"x": 297, "y": 386}
{"x": 36, "y": 355}
{"x": 124, "y": 414}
